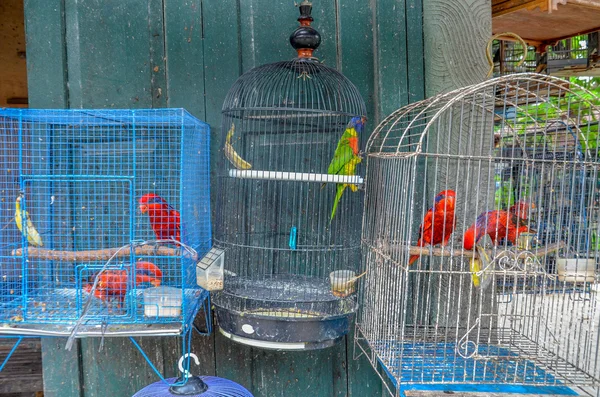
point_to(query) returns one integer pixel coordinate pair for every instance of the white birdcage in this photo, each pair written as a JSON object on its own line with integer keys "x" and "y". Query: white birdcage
{"x": 509, "y": 168}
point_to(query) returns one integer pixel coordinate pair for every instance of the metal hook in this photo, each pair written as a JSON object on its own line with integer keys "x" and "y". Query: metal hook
{"x": 185, "y": 372}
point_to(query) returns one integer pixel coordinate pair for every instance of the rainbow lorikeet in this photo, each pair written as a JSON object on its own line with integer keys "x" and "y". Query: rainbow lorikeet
{"x": 498, "y": 225}
{"x": 439, "y": 222}
{"x": 346, "y": 157}
{"x": 164, "y": 219}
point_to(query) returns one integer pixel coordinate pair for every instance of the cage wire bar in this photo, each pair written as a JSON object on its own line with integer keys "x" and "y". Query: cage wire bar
{"x": 511, "y": 299}
{"x": 577, "y": 55}
{"x": 97, "y": 259}
{"x": 281, "y": 126}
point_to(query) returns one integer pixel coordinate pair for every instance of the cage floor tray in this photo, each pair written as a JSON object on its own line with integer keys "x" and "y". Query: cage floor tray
{"x": 297, "y": 296}
{"x": 55, "y": 313}
{"x": 435, "y": 363}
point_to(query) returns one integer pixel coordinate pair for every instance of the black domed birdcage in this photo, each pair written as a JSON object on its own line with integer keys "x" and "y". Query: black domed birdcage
{"x": 275, "y": 222}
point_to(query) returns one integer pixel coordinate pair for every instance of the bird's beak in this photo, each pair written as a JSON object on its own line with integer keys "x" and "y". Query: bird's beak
{"x": 143, "y": 208}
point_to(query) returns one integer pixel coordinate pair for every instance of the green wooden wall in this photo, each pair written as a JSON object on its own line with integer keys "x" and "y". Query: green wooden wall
{"x": 187, "y": 53}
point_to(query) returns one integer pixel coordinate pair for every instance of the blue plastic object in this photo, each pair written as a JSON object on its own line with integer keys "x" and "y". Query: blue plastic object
{"x": 217, "y": 387}
{"x": 437, "y": 364}
{"x": 80, "y": 175}
{"x": 293, "y": 238}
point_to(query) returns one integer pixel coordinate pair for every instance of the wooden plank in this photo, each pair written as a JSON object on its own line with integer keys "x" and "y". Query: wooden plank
{"x": 47, "y": 88}
{"x": 61, "y": 368}
{"x": 185, "y": 56}
{"x": 544, "y": 27}
{"x": 222, "y": 66}
{"x": 23, "y": 372}
{"x": 355, "y": 50}
{"x": 362, "y": 378}
{"x": 119, "y": 369}
{"x": 46, "y": 54}
{"x": 235, "y": 361}
{"x": 415, "y": 50}
{"x": 261, "y": 45}
{"x": 390, "y": 66}
{"x": 501, "y": 7}
{"x": 317, "y": 372}
{"x": 112, "y": 53}
{"x": 13, "y": 90}
{"x": 156, "y": 29}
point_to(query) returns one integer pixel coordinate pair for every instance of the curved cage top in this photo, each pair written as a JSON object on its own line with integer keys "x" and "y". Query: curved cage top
{"x": 526, "y": 106}
{"x": 299, "y": 85}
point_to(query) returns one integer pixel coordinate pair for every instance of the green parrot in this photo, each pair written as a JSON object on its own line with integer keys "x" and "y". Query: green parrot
{"x": 346, "y": 157}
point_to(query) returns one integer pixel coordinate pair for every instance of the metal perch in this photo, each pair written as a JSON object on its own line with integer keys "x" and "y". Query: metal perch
{"x": 102, "y": 255}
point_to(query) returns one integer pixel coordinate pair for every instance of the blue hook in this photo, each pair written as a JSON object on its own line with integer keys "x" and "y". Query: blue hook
{"x": 293, "y": 237}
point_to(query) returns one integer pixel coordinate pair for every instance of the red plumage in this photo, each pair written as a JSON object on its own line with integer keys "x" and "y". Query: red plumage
{"x": 164, "y": 219}
{"x": 439, "y": 222}
{"x": 499, "y": 225}
{"x": 114, "y": 283}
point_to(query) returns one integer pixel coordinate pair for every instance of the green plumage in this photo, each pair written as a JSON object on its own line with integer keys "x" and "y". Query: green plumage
{"x": 344, "y": 163}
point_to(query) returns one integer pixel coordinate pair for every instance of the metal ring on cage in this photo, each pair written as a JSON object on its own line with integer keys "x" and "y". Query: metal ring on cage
{"x": 488, "y": 49}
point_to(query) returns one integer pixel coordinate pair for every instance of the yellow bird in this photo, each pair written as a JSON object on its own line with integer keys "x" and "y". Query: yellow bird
{"x": 32, "y": 235}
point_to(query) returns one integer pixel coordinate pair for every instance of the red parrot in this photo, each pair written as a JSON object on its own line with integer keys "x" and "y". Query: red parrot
{"x": 113, "y": 283}
{"x": 499, "y": 225}
{"x": 439, "y": 222}
{"x": 164, "y": 219}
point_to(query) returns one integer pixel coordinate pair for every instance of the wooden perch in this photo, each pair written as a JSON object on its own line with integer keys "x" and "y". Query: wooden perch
{"x": 101, "y": 255}
{"x": 437, "y": 251}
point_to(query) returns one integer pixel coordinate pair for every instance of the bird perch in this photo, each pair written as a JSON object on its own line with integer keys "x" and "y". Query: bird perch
{"x": 102, "y": 255}
{"x": 437, "y": 251}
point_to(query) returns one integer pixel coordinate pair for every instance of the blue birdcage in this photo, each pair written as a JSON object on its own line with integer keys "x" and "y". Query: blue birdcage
{"x": 114, "y": 212}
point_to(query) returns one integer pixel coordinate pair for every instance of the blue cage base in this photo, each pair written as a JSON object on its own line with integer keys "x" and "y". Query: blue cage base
{"x": 513, "y": 365}
{"x": 101, "y": 320}
{"x": 439, "y": 363}
{"x": 437, "y": 366}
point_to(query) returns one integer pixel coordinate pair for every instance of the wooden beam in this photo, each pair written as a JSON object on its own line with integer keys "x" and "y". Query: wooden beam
{"x": 506, "y": 7}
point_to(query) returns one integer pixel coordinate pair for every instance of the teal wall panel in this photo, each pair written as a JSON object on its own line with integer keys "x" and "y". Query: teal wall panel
{"x": 187, "y": 53}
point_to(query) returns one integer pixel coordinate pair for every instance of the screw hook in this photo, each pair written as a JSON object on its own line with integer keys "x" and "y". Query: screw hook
{"x": 185, "y": 372}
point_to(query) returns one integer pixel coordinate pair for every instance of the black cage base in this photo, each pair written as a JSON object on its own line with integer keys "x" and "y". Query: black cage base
{"x": 273, "y": 333}
{"x": 283, "y": 312}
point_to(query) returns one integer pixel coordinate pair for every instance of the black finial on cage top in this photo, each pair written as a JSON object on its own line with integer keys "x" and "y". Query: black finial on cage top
{"x": 305, "y": 39}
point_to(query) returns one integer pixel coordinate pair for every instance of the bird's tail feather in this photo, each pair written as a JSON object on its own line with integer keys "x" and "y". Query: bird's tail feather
{"x": 338, "y": 196}
{"x": 413, "y": 258}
